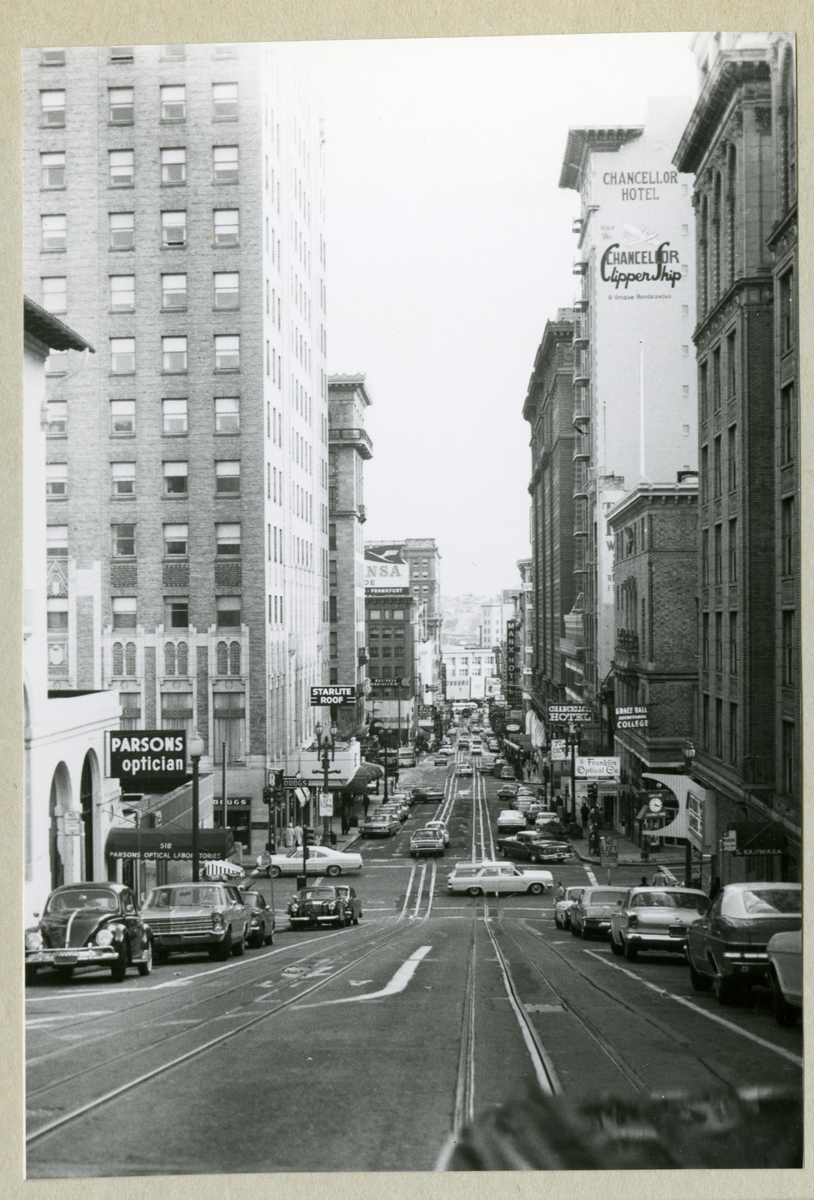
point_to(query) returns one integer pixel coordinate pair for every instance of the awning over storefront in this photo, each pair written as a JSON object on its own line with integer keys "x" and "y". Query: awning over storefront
{"x": 755, "y": 837}
{"x": 168, "y": 843}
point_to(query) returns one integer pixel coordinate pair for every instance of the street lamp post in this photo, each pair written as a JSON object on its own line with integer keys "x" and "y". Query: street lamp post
{"x": 327, "y": 747}
{"x": 572, "y": 743}
{"x": 196, "y": 749}
{"x": 688, "y": 750}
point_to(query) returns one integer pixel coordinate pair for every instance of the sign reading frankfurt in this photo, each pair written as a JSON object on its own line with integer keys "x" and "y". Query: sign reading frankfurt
{"x": 386, "y": 571}
{"x": 149, "y": 757}
{"x": 333, "y": 695}
{"x": 561, "y": 714}
{"x": 634, "y": 717}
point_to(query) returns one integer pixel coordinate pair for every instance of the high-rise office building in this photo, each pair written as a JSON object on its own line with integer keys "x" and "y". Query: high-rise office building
{"x": 174, "y": 212}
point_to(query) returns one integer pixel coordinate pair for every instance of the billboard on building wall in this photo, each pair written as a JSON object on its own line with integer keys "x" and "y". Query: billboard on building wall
{"x": 386, "y": 571}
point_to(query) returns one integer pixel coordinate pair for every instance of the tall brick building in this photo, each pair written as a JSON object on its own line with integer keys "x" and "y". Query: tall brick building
{"x": 350, "y": 447}
{"x": 174, "y": 203}
{"x": 740, "y": 146}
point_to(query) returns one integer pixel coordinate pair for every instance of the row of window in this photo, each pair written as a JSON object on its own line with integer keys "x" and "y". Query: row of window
{"x": 125, "y": 612}
{"x": 173, "y": 167}
{"x": 712, "y": 644}
{"x": 717, "y": 466}
{"x": 123, "y": 479}
{"x": 121, "y": 104}
{"x": 123, "y": 292}
{"x": 174, "y": 354}
{"x": 54, "y": 56}
{"x": 174, "y": 416}
{"x": 225, "y": 229}
{"x": 387, "y": 652}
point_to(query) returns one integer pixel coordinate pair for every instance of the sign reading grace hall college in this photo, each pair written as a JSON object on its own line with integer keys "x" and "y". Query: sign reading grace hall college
{"x": 148, "y": 759}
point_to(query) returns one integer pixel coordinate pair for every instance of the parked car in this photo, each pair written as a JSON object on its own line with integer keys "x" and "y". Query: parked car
{"x": 427, "y": 841}
{"x": 727, "y": 948}
{"x": 407, "y": 757}
{"x": 497, "y": 767}
{"x": 497, "y": 877}
{"x": 441, "y": 826}
{"x": 507, "y": 772}
{"x": 592, "y": 912}
{"x": 428, "y": 795}
{"x": 563, "y": 906}
{"x": 197, "y": 916}
{"x": 551, "y": 826}
{"x": 89, "y": 925}
{"x": 785, "y": 951}
{"x": 261, "y": 926}
{"x": 353, "y": 903}
{"x": 394, "y": 808}
{"x": 507, "y": 792}
{"x": 655, "y": 918}
{"x": 316, "y": 906}
{"x": 383, "y": 825}
{"x": 322, "y": 860}
{"x": 525, "y": 790}
{"x": 509, "y": 821}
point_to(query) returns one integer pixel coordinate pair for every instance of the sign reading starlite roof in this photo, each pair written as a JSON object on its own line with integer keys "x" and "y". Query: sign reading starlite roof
{"x": 148, "y": 758}
{"x": 339, "y": 694}
{"x": 561, "y": 714}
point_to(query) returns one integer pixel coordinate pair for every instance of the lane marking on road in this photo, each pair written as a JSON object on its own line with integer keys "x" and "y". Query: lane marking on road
{"x": 432, "y": 892}
{"x": 407, "y": 893}
{"x": 420, "y": 889}
{"x": 591, "y": 876}
{"x": 397, "y": 984}
{"x": 37, "y": 1022}
{"x": 753, "y": 1037}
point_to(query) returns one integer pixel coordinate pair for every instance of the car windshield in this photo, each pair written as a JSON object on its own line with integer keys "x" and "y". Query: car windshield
{"x": 603, "y": 897}
{"x": 322, "y": 893}
{"x": 573, "y": 893}
{"x": 185, "y": 897}
{"x": 670, "y": 900}
{"x": 770, "y": 901}
{"x": 252, "y": 900}
{"x": 78, "y": 898}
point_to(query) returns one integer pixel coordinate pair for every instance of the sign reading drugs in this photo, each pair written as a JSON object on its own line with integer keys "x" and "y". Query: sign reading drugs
{"x": 340, "y": 694}
{"x": 148, "y": 758}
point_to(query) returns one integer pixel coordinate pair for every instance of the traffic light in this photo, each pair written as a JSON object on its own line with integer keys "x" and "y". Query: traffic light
{"x": 593, "y": 793}
{"x": 268, "y": 793}
{"x": 308, "y": 839}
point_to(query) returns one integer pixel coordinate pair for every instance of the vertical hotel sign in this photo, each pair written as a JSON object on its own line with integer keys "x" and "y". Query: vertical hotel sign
{"x": 386, "y": 571}
{"x": 511, "y": 659}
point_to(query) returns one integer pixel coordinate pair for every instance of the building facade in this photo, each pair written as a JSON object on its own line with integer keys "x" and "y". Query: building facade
{"x": 632, "y": 365}
{"x": 349, "y": 448}
{"x": 740, "y": 147}
{"x": 471, "y": 672}
{"x": 175, "y": 208}
{"x": 424, "y": 560}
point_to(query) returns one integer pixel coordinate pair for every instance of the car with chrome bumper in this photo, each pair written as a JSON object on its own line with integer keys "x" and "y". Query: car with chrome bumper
{"x": 785, "y": 951}
{"x": 655, "y": 918}
{"x": 318, "y": 906}
{"x": 727, "y": 948}
{"x": 563, "y": 906}
{"x": 322, "y": 860}
{"x": 197, "y": 916}
{"x": 89, "y": 925}
{"x": 380, "y": 826}
{"x": 592, "y": 913}
{"x": 501, "y": 878}
{"x": 427, "y": 841}
{"x": 261, "y": 925}
{"x": 530, "y": 847}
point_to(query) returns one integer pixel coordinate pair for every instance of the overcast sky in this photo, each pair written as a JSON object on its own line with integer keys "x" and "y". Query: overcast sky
{"x": 449, "y": 246}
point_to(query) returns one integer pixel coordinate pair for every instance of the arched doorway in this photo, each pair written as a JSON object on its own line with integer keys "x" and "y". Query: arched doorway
{"x": 59, "y": 801}
{"x": 86, "y": 793}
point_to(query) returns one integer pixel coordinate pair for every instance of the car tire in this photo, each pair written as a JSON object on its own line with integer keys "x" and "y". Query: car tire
{"x": 631, "y": 952}
{"x": 256, "y": 940}
{"x": 334, "y": 870}
{"x": 223, "y": 951}
{"x": 119, "y": 968}
{"x": 31, "y": 975}
{"x": 574, "y": 930}
{"x": 355, "y": 921}
{"x": 726, "y": 989}
{"x": 536, "y": 889}
{"x": 64, "y": 974}
{"x": 274, "y": 872}
{"x": 784, "y": 1013}
{"x": 239, "y": 947}
{"x": 475, "y": 891}
{"x": 268, "y": 940}
{"x": 616, "y": 948}
{"x": 146, "y": 967}
{"x": 585, "y": 933}
{"x": 700, "y": 983}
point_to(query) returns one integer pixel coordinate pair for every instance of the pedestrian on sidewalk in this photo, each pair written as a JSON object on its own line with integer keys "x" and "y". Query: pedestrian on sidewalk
{"x": 298, "y": 835}
{"x": 584, "y": 812}
{"x": 644, "y": 881}
{"x": 332, "y": 837}
{"x": 715, "y": 889}
{"x": 560, "y": 892}
{"x": 288, "y": 836}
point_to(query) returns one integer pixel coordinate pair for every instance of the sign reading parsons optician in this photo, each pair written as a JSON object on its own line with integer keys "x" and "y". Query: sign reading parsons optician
{"x": 148, "y": 758}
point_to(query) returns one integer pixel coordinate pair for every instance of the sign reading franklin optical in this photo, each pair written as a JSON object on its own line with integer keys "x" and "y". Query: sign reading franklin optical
{"x": 148, "y": 758}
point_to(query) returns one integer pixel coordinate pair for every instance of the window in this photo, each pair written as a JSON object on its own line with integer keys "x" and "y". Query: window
{"x": 52, "y": 57}
{"x": 123, "y": 478}
{"x": 56, "y": 481}
{"x": 716, "y": 379}
{"x": 230, "y": 724}
{"x": 123, "y": 416}
{"x": 53, "y": 232}
{"x": 704, "y": 473}
{"x": 120, "y": 54}
{"x": 787, "y": 537}
{"x": 52, "y": 108}
{"x": 228, "y": 611}
{"x": 176, "y": 52}
{"x": 174, "y": 414}
{"x": 130, "y": 701}
{"x": 733, "y": 643}
{"x": 227, "y": 540}
{"x": 227, "y": 290}
{"x": 716, "y": 468}
{"x": 122, "y": 355}
{"x": 719, "y": 727}
{"x": 224, "y": 101}
{"x": 703, "y": 398}
{"x": 786, "y": 288}
{"x": 227, "y": 478}
{"x": 789, "y": 756}
{"x": 173, "y": 228}
{"x": 332, "y": 582}
{"x": 705, "y": 720}
{"x": 227, "y": 414}
{"x": 175, "y": 478}
{"x": 227, "y": 353}
{"x": 333, "y": 614}
{"x": 57, "y": 417}
{"x": 174, "y": 166}
{"x": 332, "y": 546}
{"x": 121, "y": 165}
{"x": 175, "y": 540}
{"x": 733, "y": 550}
{"x": 705, "y": 558}
{"x": 173, "y": 103}
{"x": 52, "y": 167}
{"x": 176, "y": 613}
{"x": 733, "y": 734}
{"x": 120, "y": 106}
{"x": 225, "y": 163}
{"x": 788, "y": 672}
{"x": 705, "y": 640}
{"x": 176, "y": 707}
{"x": 174, "y": 354}
{"x": 54, "y": 294}
{"x": 731, "y": 367}
{"x": 226, "y": 226}
{"x": 787, "y": 424}
{"x": 122, "y": 228}
{"x": 174, "y": 291}
{"x": 719, "y": 641}
{"x": 732, "y": 457}
{"x": 124, "y": 613}
{"x": 57, "y": 614}
{"x": 122, "y": 293}
{"x": 123, "y": 541}
{"x": 718, "y": 576}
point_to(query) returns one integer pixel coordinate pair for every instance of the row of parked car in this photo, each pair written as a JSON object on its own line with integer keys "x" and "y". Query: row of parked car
{"x": 751, "y": 933}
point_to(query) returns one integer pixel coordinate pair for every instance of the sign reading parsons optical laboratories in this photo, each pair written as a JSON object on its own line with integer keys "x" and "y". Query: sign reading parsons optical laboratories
{"x": 148, "y": 758}
{"x": 386, "y": 571}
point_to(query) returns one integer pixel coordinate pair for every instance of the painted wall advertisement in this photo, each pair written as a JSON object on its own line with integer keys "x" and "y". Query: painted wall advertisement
{"x": 386, "y": 571}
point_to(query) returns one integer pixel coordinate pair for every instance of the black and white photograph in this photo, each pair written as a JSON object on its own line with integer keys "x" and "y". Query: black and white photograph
{"x": 411, "y": 594}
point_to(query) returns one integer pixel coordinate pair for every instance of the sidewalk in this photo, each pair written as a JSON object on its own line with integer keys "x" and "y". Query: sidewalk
{"x": 630, "y": 853}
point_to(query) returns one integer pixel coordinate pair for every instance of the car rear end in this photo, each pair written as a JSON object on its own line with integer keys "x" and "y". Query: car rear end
{"x": 596, "y": 908}
{"x": 663, "y": 927}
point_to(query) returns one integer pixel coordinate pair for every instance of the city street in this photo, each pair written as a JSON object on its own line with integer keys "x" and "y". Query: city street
{"x": 364, "y": 1049}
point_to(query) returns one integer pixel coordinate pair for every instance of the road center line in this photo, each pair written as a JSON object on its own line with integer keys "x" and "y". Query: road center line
{"x": 397, "y": 984}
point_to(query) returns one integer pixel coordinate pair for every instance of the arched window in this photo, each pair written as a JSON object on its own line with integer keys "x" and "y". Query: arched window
{"x": 118, "y": 658}
{"x": 223, "y": 660}
{"x": 130, "y": 658}
{"x": 234, "y": 658}
{"x": 183, "y": 659}
{"x": 169, "y": 658}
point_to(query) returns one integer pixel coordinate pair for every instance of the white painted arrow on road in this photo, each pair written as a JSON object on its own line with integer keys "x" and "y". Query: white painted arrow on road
{"x": 397, "y": 984}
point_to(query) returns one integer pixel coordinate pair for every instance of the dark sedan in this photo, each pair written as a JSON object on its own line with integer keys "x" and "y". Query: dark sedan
{"x": 353, "y": 904}
{"x": 534, "y": 849}
{"x": 726, "y": 949}
{"x": 508, "y": 791}
{"x": 89, "y": 925}
{"x": 261, "y": 926}
{"x": 428, "y": 795}
{"x": 317, "y": 906}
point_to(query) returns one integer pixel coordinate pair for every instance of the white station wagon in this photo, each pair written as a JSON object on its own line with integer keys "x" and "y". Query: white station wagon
{"x": 479, "y": 878}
